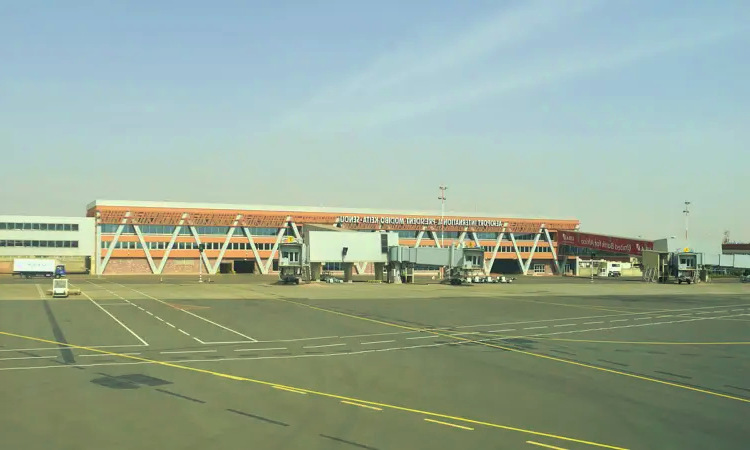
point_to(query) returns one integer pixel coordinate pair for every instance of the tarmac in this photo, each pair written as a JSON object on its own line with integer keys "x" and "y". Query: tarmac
{"x": 556, "y": 363}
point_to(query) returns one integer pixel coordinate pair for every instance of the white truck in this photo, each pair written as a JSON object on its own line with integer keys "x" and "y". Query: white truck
{"x": 38, "y": 268}
{"x": 610, "y": 269}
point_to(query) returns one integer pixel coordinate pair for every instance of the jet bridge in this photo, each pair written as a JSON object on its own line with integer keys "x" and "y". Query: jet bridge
{"x": 460, "y": 261}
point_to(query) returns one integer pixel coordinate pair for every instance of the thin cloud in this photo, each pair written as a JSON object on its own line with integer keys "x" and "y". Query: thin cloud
{"x": 553, "y": 71}
{"x": 502, "y": 29}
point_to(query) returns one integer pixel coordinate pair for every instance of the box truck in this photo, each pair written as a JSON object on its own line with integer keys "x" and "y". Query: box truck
{"x": 29, "y": 268}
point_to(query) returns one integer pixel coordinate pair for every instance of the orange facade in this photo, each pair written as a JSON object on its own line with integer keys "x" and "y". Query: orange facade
{"x": 178, "y": 229}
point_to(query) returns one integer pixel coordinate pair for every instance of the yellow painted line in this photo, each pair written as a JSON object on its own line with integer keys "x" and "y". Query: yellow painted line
{"x": 322, "y": 394}
{"x": 450, "y": 424}
{"x": 545, "y": 445}
{"x": 524, "y": 352}
{"x": 296, "y": 391}
{"x": 361, "y": 405}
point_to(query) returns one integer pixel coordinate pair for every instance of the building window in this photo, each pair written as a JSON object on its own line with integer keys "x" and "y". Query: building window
{"x": 538, "y": 268}
{"x": 74, "y": 227}
{"x": 74, "y": 244}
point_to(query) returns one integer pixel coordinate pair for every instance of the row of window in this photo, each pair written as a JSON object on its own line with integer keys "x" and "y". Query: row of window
{"x": 584, "y": 252}
{"x": 135, "y": 245}
{"x": 185, "y": 230}
{"x": 39, "y": 226}
{"x": 521, "y": 248}
{"x": 45, "y": 244}
{"x": 264, "y": 231}
{"x": 411, "y": 234}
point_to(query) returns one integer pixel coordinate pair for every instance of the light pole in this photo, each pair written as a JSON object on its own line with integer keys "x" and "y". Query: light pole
{"x": 687, "y": 213}
{"x": 442, "y": 212}
{"x": 201, "y": 247}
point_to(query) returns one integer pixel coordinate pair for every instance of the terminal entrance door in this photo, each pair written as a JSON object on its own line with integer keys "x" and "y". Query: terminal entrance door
{"x": 244, "y": 265}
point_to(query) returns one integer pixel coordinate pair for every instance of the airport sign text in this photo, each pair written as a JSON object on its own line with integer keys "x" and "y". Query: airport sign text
{"x": 374, "y": 220}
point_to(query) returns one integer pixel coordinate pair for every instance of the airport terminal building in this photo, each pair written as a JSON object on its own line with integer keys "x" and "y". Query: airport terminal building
{"x": 134, "y": 237}
{"x": 68, "y": 240}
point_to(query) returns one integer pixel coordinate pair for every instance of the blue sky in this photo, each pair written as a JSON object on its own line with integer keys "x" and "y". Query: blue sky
{"x": 612, "y": 112}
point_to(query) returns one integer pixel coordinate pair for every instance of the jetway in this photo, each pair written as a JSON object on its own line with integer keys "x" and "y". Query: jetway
{"x": 678, "y": 260}
{"x": 303, "y": 259}
{"x": 727, "y": 261}
{"x": 460, "y": 262}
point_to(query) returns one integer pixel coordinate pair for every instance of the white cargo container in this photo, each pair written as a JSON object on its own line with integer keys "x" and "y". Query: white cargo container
{"x": 34, "y": 267}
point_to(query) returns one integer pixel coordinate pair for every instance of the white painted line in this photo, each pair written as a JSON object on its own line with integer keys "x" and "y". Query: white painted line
{"x": 377, "y": 334}
{"x": 324, "y": 345}
{"x": 500, "y": 331}
{"x": 424, "y": 337}
{"x": 467, "y": 332}
{"x": 620, "y": 320}
{"x": 717, "y": 312}
{"x": 183, "y": 332}
{"x": 534, "y": 328}
{"x": 42, "y": 295}
{"x": 187, "y": 351}
{"x": 198, "y": 340}
{"x": 375, "y": 342}
{"x": 115, "y": 304}
{"x": 141, "y": 308}
{"x": 498, "y": 324}
{"x": 170, "y": 325}
{"x": 738, "y": 309}
{"x": 594, "y": 317}
{"x": 661, "y": 317}
{"x": 592, "y": 323}
{"x": 704, "y": 312}
{"x": 195, "y": 315}
{"x": 619, "y": 327}
{"x": 115, "y": 319}
{"x": 149, "y": 313}
{"x": 259, "y": 349}
{"x": 159, "y": 318}
{"x": 643, "y": 318}
{"x": 227, "y": 342}
{"x": 326, "y": 355}
{"x": 100, "y": 355}
{"x": 302, "y": 339}
{"x": 566, "y": 325}
{"x": 29, "y": 357}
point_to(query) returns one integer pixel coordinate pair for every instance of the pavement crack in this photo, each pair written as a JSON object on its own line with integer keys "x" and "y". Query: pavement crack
{"x": 174, "y": 394}
{"x": 261, "y": 418}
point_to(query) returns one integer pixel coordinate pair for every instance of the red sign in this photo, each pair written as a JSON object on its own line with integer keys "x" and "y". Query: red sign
{"x": 604, "y": 243}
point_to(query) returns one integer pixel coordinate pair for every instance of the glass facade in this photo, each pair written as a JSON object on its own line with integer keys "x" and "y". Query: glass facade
{"x": 185, "y": 230}
{"x": 38, "y": 244}
{"x": 521, "y": 248}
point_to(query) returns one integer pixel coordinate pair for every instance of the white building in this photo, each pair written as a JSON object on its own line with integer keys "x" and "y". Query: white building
{"x": 69, "y": 240}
